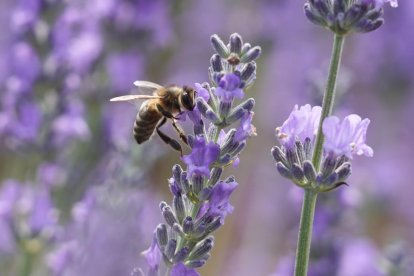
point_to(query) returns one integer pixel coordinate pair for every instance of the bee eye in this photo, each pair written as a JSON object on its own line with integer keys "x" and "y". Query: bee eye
{"x": 187, "y": 101}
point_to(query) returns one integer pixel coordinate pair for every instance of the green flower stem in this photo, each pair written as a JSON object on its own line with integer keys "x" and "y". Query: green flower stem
{"x": 309, "y": 202}
{"x": 328, "y": 98}
{"x": 305, "y": 233}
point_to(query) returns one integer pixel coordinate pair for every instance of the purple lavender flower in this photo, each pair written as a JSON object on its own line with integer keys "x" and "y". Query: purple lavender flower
{"x": 346, "y": 137}
{"x": 219, "y": 205}
{"x": 195, "y": 115}
{"x": 201, "y": 157}
{"x": 380, "y": 3}
{"x": 180, "y": 269}
{"x": 302, "y": 123}
{"x": 246, "y": 129}
{"x": 229, "y": 88}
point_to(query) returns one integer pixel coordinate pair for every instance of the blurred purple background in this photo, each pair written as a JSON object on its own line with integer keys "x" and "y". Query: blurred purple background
{"x": 77, "y": 195}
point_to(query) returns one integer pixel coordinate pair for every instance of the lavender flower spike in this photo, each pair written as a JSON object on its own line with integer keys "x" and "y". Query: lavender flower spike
{"x": 301, "y": 124}
{"x": 346, "y": 137}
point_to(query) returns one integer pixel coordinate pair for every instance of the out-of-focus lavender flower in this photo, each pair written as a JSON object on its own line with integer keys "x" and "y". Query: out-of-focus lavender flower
{"x": 25, "y": 14}
{"x": 70, "y": 125}
{"x": 153, "y": 256}
{"x": 359, "y": 258}
{"x": 346, "y": 137}
{"x": 94, "y": 242}
{"x": 201, "y": 157}
{"x": 229, "y": 88}
{"x": 302, "y": 123}
{"x": 26, "y": 213}
{"x": 123, "y": 69}
{"x": 77, "y": 41}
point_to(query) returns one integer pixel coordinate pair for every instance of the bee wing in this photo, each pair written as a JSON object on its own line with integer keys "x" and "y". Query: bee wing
{"x": 147, "y": 87}
{"x": 133, "y": 98}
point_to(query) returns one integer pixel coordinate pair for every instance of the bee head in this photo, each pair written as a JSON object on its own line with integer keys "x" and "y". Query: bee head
{"x": 188, "y": 98}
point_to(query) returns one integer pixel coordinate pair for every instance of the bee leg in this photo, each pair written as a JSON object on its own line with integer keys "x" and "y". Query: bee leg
{"x": 179, "y": 130}
{"x": 168, "y": 140}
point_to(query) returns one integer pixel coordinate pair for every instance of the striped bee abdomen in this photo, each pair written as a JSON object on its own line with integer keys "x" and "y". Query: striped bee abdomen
{"x": 145, "y": 123}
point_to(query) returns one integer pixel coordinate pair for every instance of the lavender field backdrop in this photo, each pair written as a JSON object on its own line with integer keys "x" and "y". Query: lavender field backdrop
{"x": 78, "y": 196}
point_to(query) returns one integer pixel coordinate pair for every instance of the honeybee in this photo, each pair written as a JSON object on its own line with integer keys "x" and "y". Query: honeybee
{"x": 164, "y": 103}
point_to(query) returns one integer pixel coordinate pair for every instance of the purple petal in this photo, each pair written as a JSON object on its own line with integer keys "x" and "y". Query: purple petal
{"x": 181, "y": 270}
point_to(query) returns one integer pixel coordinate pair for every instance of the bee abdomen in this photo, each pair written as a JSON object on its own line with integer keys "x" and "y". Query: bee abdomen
{"x": 145, "y": 124}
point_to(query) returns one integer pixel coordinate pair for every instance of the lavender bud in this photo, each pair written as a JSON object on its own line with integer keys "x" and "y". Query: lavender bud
{"x": 188, "y": 225}
{"x": 205, "y": 194}
{"x": 198, "y": 183}
{"x": 170, "y": 248}
{"x": 181, "y": 255}
{"x": 248, "y": 71}
{"x": 240, "y": 110}
{"x": 212, "y": 132}
{"x": 202, "y": 248}
{"x": 292, "y": 157}
{"x": 162, "y": 236}
{"x": 339, "y": 6}
{"x": 307, "y": 148}
{"x": 229, "y": 148}
{"x": 328, "y": 166}
{"x": 199, "y": 229}
{"x": 179, "y": 207}
{"x": 246, "y": 47}
{"x": 216, "y": 63}
{"x": 202, "y": 106}
{"x": 309, "y": 171}
{"x": 168, "y": 216}
{"x": 353, "y": 15}
{"x": 185, "y": 185}
{"x": 212, "y": 117}
{"x": 251, "y": 55}
{"x": 228, "y": 139}
{"x": 163, "y": 204}
{"x": 283, "y": 170}
{"x": 199, "y": 128}
{"x": 224, "y": 109}
{"x": 236, "y": 43}
{"x": 344, "y": 171}
{"x": 238, "y": 149}
{"x": 321, "y": 7}
{"x": 331, "y": 180}
{"x": 179, "y": 230}
{"x": 297, "y": 173}
{"x": 313, "y": 16}
{"x": 214, "y": 225}
{"x": 177, "y": 170}
{"x": 224, "y": 160}
{"x": 219, "y": 46}
{"x": 300, "y": 151}
{"x": 279, "y": 156}
{"x": 195, "y": 263}
{"x": 341, "y": 160}
{"x": 214, "y": 176}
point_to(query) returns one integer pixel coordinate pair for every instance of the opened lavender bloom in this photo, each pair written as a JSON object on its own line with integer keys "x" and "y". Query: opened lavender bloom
{"x": 346, "y": 137}
{"x": 201, "y": 198}
{"x": 297, "y": 135}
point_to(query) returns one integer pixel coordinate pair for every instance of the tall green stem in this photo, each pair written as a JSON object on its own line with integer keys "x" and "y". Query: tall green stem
{"x": 305, "y": 233}
{"x": 328, "y": 97}
{"x": 309, "y": 202}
